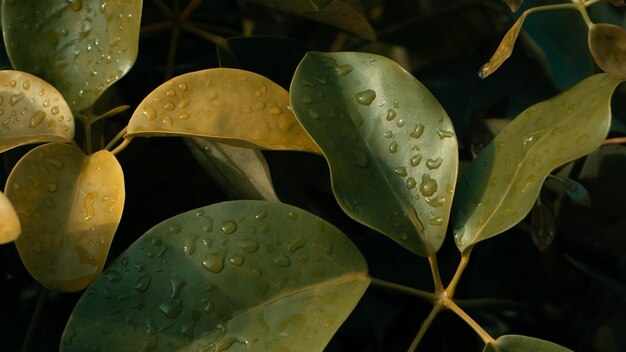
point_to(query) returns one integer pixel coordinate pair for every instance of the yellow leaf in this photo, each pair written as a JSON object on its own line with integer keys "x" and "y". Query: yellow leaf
{"x": 504, "y": 50}
{"x": 9, "y": 222}
{"x": 607, "y": 44}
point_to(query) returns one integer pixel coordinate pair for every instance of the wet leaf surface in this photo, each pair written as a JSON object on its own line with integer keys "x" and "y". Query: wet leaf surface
{"x": 79, "y": 46}
{"x": 31, "y": 111}
{"x": 390, "y": 146}
{"x": 607, "y": 43}
{"x": 502, "y": 184}
{"x": 228, "y": 105}
{"x": 242, "y": 275}
{"x": 9, "y": 222}
{"x": 519, "y": 343}
{"x": 70, "y": 205}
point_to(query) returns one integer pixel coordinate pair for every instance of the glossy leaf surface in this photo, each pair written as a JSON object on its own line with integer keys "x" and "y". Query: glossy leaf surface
{"x": 519, "y": 343}
{"x": 31, "y": 111}
{"x": 79, "y": 46}
{"x": 242, "y": 172}
{"x": 241, "y": 275}
{"x": 232, "y": 106}
{"x": 345, "y": 14}
{"x": 607, "y": 43}
{"x": 390, "y": 146}
{"x": 504, "y": 50}
{"x": 502, "y": 184}
{"x": 69, "y": 205}
{"x": 9, "y": 222}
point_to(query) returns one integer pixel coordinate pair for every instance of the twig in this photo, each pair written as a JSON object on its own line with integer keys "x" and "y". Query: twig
{"x": 428, "y": 296}
{"x": 618, "y": 140}
{"x": 434, "y": 268}
{"x": 424, "y": 327}
{"x": 484, "y": 335}
{"x": 189, "y": 9}
{"x": 34, "y": 321}
{"x": 122, "y": 146}
{"x": 459, "y": 272}
{"x": 115, "y": 139}
{"x": 194, "y": 29}
{"x": 155, "y": 27}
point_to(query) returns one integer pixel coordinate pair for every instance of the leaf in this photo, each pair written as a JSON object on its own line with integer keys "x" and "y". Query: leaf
{"x": 345, "y": 14}
{"x": 9, "y": 222}
{"x": 502, "y": 184}
{"x": 390, "y": 146}
{"x": 615, "y": 2}
{"x": 80, "y": 46}
{"x": 542, "y": 227}
{"x": 254, "y": 275}
{"x": 229, "y": 105}
{"x": 504, "y": 50}
{"x": 607, "y": 44}
{"x": 513, "y": 4}
{"x": 577, "y": 192}
{"x": 242, "y": 172}
{"x": 69, "y": 205}
{"x": 31, "y": 111}
{"x": 519, "y": 343}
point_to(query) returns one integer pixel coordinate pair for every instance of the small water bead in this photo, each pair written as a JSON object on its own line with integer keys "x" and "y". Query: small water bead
{"x": 393, "y": 147}
{"x": 428, "y": 187}
{"x": 149, "y": 112}
{"x": 396, "y": 104}
{"x": 248, "y": 245}
{"x": 143, "y": 283}
{"x": 112, "y": 276}
{"x": 417, "y": 131}
{"x": 388, "y": 134}
{"x": 344, "y": 69}
{"x": 307, "y": 99}
{"x": 261, "y": 215}
{"x": 434, "y": 163}
{"x": 169, "y": 106}
{"x": 236, "y": 260}
{"x": 177, "y": 286}
{"x": 75, "y": 5}
{"x": 183, "y": 116}
{"x": 208, "y": 224}
{"x": 436, "y": 221}
{"x": 36, "y": 119}
{"x": 436, "y": 202}
{"x": 182, "y": 86}
{"x": 14, "y": 99}
{"x": 26, "y": 85}
{"x": 401, "y": 171}
{"x": 314, "y": 115}
{"x": 415, "y": 160}
{"x": 213, "y": 262}
{"x": 54, "y": 110}
{"x": 282, "y": 261}
{"x": 411, "y": 183}
{"x": 171, "y": 308}
{"x": 296, "y": 244}
{"x": 400, "y": 123}
{"x": 190, "y": 245}
{"x": 229, "y": 227}
{"x": 444, "y": 134}
{"x": 175, "y": 228}
{"x": 275, "y": 110}
{"x": 391, "y": 114}
{"x": 365, "y": 97}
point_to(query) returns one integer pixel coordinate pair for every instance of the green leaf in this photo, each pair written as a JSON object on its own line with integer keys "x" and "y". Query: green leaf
{"x": 69, "y": 205}
{"x": 80, "y": 46}
{"x": 243, "y": 173}
{"x": 503, "y": 183}
{"x": 229, "y": 105}
{"x": 31, "y": 111}
{"x": 519, "y": 343}
{"x": 253, "y": 275}
{"x": 607, "y": 44}
{"x": 345, "y": 14}
{"x": 390, "y": 146}
{"x": 9, "y": 222}
{"x": 504, "y": 50}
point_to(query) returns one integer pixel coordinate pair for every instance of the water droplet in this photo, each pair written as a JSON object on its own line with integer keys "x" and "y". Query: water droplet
{"x": 436, "y": 221}
{"x": 314, "y": 115}
{"x": 296, "y": 244}
{"x": 307, "y": 99}
{"x": 142, "y": 284}
{"x": 36, "y": 119}
{"x": 436, "y": 202}
{"x": 261, "y": 215}
{"x": 393, "y": 147}
{"x": 167, "y": 121}
{"x": 401, "y": 122}
{"x": 182, "y": 86}
{"x": 169, "y": 106}
{"x": 171, "y": 308}
{"x": 282, "y": 261}
{"x": 248, "y": 245}
{"x": 26, "y": 85}
{"x": 434, "y": 163}
{"x": 74, "y": 5}
{"x": 391, "y": 114}
{"x": 171, "y": 93}
{"x": 112, "y": 276}
{"x": 149, "y": 112}
{"x": 90, "y": 198}
{"x": 365, "y": 97}
{"x": 228, "y": 227}
{"x": 190, "y": 245}
{"x": 236, "y": 260}
{"x": 416, "y": 159}
{"x": 177, "y": 286}
{"x": 388, "y": 134}
{"x": 183, "y": 116}
{"x": 275, "y": 110}
{"x": 344, "y": 69}
{"x": 54, "y": 110}
{"x": 51, "y": 187}
{"x": 360, "y": 158}
{"x": 183, "y": 103}
{"x": 444, "y": 134}
{"x": 401, "y": 171}
{"x": 213, "y": 262}
{"x": 411, "y": 183}
{"x": 428, "y": 187}
{"x": 175, "y": 228}
{"x": 459, "y": 234}
{"x": 208, "y": 224}
{"x": 417, "y": 131}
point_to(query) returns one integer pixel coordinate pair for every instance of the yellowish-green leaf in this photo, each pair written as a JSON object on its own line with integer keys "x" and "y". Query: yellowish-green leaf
{"x": 233, "y": 106}
{"x": 69, "y": 205}
{"x": 9, "y": 222}
{"x": 345, "y": 14}
{"x": 520, "y": 343}
{"x": 390, "y": 146}
{"x": 504, "y": 50}
{"x": 242, "y": 275}
{"x": 607, "y": 44}
{"x": 80, "y": 46}
{"x": 503, "y": 183}
{"x": 242, "y": 172}
{"x": 514, "y": 4}
{"x": 31, "y": 111}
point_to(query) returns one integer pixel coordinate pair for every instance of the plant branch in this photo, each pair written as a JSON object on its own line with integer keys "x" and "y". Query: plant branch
{"x": 194, "y": 29}
{"x": 434, "y": 268}
{"x": 424, "y": 327}
{"x": 115, "y": 139}
{"x": 155, "y": 27}
{"x": 171, "y": 53}
{"x": 428, "y": 296}
{"x": 34, "y": 321}
{"x": 484, "y": 335}
{"x": 188, "y": 10}
{"x": 583, "y": 12}
{"x": 88, "y": 145}
{"x": 495, "y": 302}
{"x": 570, "y": 6}
{"x": 459, "y": 272}
{"x": 122, "y": 146}
{"x": 618, "y": 140}
{"x": 165, "y": 10}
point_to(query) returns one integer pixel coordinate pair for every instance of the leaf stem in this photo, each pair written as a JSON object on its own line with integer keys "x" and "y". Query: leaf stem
{"x": 34, "y": 321}
{"x": 88, "y": 146}
{"x": 459, "y": 272}
{"x": 121, "y": 147}
{"x": 188, "y": 10}
{"x": 434, "y": 268}
{"x": 115, "y": 139}
{"x": 155, "y": 27}
{"x": 424, "y": 327}
{"x": 165, "y": 10}
{"x": 583, "y": 12}
{"x": 427, "y": 296}
{"x": 194, "y": 29}
{"x": 484, "y": 335}
{"x": 571, "y": 6}
{"x": 618, "y": 140}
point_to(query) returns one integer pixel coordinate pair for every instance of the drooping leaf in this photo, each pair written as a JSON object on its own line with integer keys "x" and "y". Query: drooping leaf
{"x": 607, "y": 44}
{"x": 253, "y": 275}
{"x": 9, "y": 222}
{"x": 513, "y": 4}
{"x": 542, "y": 227}
{"x": 80, "y": 46}
{"x": 577, "y": 192}
{"x": 504, "y": 50}
{"x": 345, "y": 14}
{"x": 502, "y": 184}
{"x": 69, "y": 205}
{"x": 31, "y": 111}
{"x": 229, "y": 105}
{"x": 615, "y": 2}
{"x": 242, "y": 172}
{"x": 390, "y": 146}
{"x": 519, "y": 343}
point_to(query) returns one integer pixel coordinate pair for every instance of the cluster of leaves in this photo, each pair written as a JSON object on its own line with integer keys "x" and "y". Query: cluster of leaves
{"x": 260, "y": 274}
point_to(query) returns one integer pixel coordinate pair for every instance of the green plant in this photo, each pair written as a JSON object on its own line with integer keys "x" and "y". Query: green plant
{"x": 254, "y": 274}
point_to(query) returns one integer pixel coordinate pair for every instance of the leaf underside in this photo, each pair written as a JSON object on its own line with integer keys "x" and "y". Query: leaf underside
{"x": 607, "y": 44}
{"x": 390, "y": 146}
{"x": 240, "y": 275}
{"x": 9, "y": 222}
